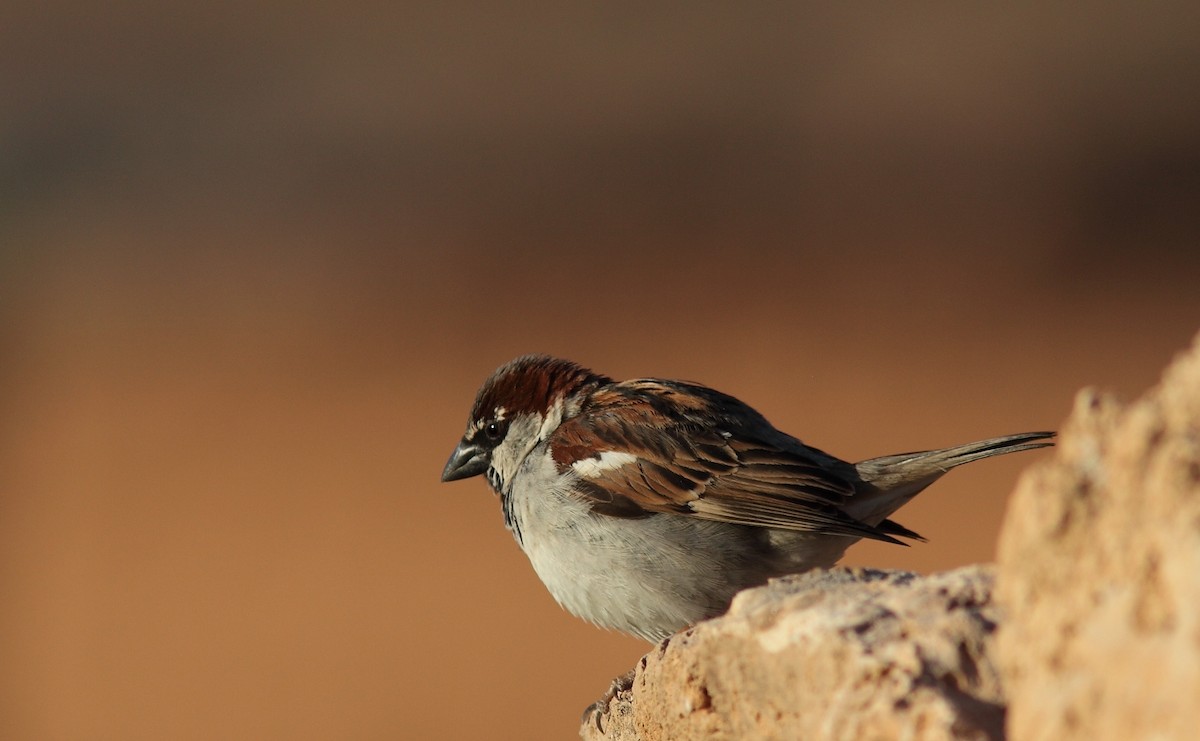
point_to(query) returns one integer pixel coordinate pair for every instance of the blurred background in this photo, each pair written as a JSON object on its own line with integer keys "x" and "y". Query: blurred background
{"x": 255, "y": 260}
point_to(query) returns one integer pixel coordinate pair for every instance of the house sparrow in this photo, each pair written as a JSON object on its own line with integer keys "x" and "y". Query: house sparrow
{"x": 646, "y": 505}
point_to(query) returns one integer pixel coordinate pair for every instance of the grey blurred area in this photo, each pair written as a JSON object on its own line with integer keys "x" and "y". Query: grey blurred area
{"x": 569, "y": 124}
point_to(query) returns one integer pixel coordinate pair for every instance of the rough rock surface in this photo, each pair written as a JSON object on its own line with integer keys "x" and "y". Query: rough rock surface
{"x": 1099, "y": 573}
{"x": 1097, "y": 595}
{"x": 831, "y": 654}
{"x": 1098, "y": 585}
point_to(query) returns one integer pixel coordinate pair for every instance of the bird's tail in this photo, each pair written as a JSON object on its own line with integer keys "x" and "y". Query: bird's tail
{"x": 892, "y": 480}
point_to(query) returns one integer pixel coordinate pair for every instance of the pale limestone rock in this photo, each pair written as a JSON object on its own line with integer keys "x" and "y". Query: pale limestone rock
{"x": 841, "y": 654}
{"x": 1099, "y": 588}
{"x": 1099, "y": 573}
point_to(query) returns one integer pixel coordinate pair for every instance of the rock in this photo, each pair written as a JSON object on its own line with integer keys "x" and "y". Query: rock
{"x": 825, "y": 655}
{"x": 1097, "y": 595}
{"x": 1099, "y": 573}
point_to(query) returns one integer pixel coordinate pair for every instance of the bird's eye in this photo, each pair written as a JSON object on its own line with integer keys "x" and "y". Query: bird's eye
{"x": 495, "y": 430}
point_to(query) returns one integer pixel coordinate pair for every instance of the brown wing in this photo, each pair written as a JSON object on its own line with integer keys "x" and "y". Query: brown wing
{"x": 636, "y": 455}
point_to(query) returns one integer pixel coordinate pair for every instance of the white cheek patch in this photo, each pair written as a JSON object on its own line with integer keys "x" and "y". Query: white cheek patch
{"x": 608, "y": 460}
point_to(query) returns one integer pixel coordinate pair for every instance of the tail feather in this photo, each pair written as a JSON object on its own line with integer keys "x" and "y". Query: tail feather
{"x": 892, "y": 480}
{"x": 895, "y": 529}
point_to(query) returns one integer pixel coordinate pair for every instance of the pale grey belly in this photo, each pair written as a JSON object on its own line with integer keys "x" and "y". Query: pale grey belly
{"x": 654, "y": 575}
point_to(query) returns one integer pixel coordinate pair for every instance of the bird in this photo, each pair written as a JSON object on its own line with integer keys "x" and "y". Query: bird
{"x": 645, "y": 505}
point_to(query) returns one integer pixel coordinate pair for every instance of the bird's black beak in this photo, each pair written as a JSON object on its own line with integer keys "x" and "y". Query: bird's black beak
{"x": 466, "y": 461}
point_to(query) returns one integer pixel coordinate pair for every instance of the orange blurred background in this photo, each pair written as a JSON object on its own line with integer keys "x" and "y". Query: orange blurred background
{"x": 255, "y": 260}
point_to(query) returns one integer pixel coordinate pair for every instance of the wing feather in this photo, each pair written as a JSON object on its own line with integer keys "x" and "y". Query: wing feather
{"x": 673, "y": 459}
